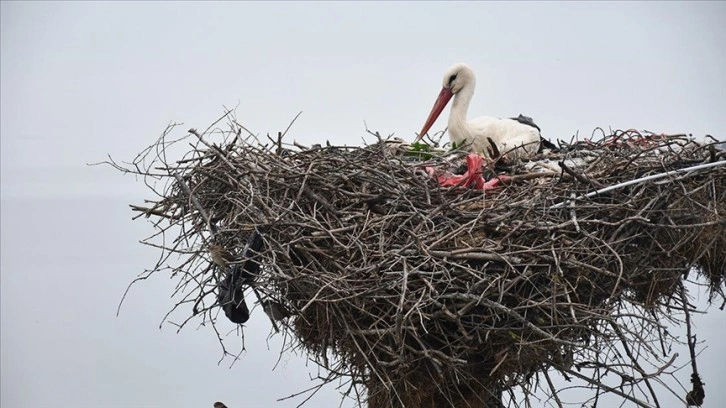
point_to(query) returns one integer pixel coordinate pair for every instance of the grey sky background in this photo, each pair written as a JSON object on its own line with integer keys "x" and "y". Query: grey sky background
{"x": 82, "y": 80}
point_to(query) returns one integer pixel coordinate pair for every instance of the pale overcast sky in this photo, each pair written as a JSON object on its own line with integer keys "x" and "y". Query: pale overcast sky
{"x": 81, "y": 80}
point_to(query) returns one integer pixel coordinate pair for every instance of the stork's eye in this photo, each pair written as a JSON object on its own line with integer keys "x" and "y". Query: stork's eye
{"x": 451, "y": 79}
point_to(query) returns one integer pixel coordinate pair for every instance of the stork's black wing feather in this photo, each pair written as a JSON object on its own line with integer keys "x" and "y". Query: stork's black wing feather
{"x": 526, "y": 120}
{"x": 546, "y": 144}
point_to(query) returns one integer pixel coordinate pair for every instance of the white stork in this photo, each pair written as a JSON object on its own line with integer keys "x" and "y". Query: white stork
{"x": 517, "y": 137}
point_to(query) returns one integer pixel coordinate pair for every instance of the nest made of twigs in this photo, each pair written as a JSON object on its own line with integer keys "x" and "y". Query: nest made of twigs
{"x": 430, "y": 296}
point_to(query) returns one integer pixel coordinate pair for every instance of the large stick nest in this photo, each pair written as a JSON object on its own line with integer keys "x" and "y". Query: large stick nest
{"x": 428, "y": 295}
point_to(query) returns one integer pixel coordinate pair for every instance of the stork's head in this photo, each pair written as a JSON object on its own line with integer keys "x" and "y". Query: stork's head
{"x": 456, "y": 78}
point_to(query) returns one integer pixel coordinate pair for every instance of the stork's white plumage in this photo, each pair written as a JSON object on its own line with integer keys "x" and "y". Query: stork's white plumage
{"x": 507, "y": 134}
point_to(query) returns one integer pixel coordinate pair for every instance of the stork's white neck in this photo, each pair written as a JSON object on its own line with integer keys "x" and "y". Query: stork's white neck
{"x": 458, "y": 126}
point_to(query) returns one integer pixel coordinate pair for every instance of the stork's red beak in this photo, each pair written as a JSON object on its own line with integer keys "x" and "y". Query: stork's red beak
{"x": 439, "y": 106}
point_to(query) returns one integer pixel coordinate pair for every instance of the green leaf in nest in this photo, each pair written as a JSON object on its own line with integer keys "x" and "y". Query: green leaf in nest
{"x": 420, "y": 150}
{"x": 455, "y": 147}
